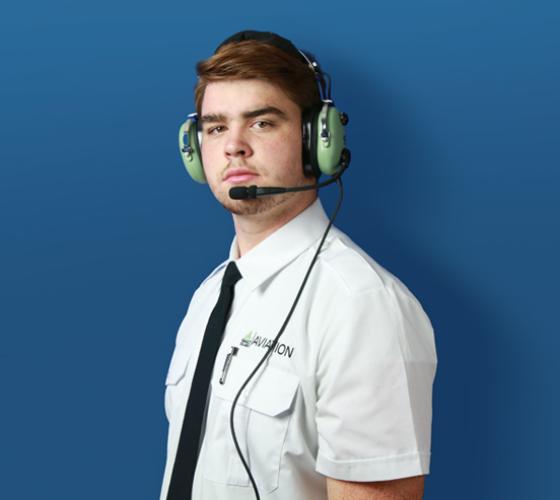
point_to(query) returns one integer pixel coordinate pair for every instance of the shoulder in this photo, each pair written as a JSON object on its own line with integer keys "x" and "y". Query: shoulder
{"x": 358, "y": 296}
{"x": 352, "y": 271}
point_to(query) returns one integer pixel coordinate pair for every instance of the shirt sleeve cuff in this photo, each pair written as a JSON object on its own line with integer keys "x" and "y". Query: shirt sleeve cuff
{"x": 375, "y": 469}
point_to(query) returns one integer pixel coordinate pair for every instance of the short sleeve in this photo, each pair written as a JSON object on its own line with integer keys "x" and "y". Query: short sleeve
{"x": 375, "y": 371}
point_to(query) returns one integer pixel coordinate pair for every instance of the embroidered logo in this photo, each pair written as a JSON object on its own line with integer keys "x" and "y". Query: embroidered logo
{"x": 251, "y": 338}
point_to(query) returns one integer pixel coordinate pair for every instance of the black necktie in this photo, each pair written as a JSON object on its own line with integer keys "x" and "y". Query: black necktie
{"x": 189, "y": 443}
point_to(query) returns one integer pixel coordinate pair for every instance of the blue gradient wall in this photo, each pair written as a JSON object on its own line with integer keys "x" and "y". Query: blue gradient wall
{"x": 454, "y": 130}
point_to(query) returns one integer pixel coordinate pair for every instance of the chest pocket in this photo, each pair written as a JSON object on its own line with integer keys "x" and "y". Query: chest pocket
{"x": 262, "y": 416}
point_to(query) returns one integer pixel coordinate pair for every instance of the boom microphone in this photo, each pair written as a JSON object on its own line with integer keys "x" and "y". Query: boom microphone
{"x": 252, "y": 192}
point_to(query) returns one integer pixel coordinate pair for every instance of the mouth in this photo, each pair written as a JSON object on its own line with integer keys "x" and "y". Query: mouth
{"x": 239, "y": 175}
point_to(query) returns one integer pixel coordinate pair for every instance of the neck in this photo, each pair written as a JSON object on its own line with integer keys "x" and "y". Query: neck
{"x": 250, "y": 230}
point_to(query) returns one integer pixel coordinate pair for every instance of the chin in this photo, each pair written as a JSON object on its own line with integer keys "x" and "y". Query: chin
{"x": 255, "y": 206}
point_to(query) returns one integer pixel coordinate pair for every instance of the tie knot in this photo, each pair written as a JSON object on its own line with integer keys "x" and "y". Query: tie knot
{"x": 231, "y": 276}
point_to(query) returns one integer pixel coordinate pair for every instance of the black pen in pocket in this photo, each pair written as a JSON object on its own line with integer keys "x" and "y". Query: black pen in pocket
{"x": 227, "y": 362}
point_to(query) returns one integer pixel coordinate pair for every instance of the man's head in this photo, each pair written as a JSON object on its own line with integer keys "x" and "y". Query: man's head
{"x": 250, "y": 99}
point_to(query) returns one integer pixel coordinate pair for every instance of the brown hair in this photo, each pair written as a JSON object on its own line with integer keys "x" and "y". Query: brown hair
{"x": 251, "y": 59}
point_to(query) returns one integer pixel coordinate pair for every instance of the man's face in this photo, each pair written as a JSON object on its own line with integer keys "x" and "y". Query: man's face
{"x": 251, "y": 134}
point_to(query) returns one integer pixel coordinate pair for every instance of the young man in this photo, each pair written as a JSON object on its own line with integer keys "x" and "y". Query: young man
{"x": 341, "y": 408}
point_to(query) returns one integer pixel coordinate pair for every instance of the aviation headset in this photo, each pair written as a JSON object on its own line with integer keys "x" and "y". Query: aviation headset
{"x": 324, "y": 150}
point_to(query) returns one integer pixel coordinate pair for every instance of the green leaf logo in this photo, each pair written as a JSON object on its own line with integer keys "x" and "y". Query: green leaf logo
{"x": 248, "y": 339}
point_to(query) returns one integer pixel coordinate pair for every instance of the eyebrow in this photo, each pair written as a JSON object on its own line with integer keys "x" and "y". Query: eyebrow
{"x": 267, "y": 110}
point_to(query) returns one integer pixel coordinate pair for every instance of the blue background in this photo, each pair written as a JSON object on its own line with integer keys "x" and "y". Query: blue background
{"x": 454, "y": 130}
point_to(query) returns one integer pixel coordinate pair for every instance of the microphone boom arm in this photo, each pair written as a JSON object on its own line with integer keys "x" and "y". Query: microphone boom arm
{"x": 252, "y": 192}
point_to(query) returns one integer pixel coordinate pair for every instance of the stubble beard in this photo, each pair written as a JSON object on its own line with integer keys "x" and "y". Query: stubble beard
{"x": 254, "y": 206}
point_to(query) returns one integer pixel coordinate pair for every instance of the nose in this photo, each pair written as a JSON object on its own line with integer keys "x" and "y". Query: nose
{"x": 237, "y": 144}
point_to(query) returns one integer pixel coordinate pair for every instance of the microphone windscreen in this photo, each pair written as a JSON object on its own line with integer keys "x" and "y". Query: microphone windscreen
{"x": 239, "y": 193}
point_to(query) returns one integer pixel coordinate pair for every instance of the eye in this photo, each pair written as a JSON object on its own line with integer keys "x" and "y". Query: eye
{"x": 262, "y": 124}
{"x": 215, "y": 130}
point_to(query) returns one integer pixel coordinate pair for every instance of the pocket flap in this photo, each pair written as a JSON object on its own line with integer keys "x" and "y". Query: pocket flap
{"x": 270, "y": 392}
{"x": 178, "y": 365}
{"x": 273, "y": 393}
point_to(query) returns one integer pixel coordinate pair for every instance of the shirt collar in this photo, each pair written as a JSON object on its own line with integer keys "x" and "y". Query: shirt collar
{"x": 281, "y": 247}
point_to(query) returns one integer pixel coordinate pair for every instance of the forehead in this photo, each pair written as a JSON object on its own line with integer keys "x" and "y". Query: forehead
{"x": 235, "y": 97}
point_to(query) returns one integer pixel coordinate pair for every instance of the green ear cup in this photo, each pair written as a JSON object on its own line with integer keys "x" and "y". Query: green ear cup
{"x": 190, "y": 150}
{"x": 329, "y": 141}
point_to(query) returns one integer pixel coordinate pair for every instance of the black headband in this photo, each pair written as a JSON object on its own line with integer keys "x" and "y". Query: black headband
{"x": 265, "y": 37}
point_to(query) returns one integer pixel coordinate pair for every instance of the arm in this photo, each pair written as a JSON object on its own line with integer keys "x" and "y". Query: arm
{"x": 373, "y": 409}
{"x": 410, "y": 488}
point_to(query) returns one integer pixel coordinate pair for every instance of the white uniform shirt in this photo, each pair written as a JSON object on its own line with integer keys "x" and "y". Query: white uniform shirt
{"x": 347, "y": 392}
